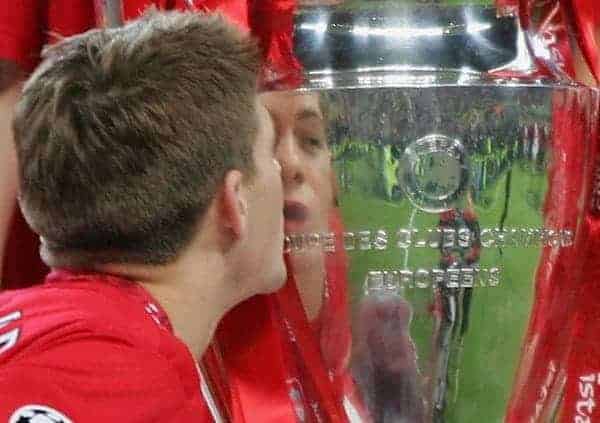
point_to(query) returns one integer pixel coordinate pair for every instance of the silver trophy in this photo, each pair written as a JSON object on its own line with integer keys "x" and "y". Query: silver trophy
{"x": 456, "y": 186}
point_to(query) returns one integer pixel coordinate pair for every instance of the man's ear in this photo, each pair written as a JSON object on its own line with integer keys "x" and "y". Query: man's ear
{"x": 234, "y": 207}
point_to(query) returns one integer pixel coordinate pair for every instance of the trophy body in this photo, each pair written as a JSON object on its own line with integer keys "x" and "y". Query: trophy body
{"x": 456, "y": 202}
{"x": 460, "y": 188}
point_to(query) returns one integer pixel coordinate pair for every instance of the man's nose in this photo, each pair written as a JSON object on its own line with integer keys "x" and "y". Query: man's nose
{"x": 289, "y": 156}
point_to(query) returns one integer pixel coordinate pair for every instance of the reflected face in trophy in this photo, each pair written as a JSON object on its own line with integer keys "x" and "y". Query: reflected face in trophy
{"x": 304, "y": 155}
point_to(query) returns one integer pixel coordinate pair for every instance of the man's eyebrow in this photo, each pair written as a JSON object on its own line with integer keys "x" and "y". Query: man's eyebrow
{"x": 308, "y": 113}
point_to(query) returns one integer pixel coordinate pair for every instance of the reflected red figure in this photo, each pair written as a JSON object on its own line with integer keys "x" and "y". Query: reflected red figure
{"x": 386, "y": 360}
{"x": 560, "y": 354}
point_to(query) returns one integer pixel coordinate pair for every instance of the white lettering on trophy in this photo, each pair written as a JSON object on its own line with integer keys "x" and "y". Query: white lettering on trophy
{"x": 431, "y": 238}
{"x": 586, "y": 403}
{"x": 392, "y": 281}
{"x": 381, "y": 240}
{"x": 544, "y": 390}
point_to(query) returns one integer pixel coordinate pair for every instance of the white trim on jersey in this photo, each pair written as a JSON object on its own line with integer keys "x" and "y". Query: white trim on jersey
{"x": 208, "y": 397}
{"x": 351, "y": 411}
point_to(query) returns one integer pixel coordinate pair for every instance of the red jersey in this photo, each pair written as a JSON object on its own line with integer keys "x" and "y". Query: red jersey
{"x": 94, "y": 348}
{"x": 25, "y": 27}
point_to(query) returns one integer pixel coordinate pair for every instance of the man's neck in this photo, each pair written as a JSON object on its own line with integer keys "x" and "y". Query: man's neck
{"x": 193, "y": 292}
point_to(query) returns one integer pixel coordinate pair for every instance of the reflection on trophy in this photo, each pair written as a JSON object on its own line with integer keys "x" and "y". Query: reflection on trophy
{"x": 459, "y": 188}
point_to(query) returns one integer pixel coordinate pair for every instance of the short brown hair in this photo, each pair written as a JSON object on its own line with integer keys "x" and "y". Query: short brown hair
{"x": 124, "y": 135}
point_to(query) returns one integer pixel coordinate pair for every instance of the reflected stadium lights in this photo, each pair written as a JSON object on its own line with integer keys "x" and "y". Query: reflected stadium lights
{"x": 396, "y": 79}
{"x": 407, "y": 32}
{"x": 402, "y": 32}
{"x": 319, "y": 27}
{"x": 540, "y": 47}
{"x": 326, "y": 71}
{"x": 477, "y": 27}
{"x": 465, "y": 75}
{"x": 324, "y": 82}
{"x": 398, "y": 32}
{"x": 396, "y": 68}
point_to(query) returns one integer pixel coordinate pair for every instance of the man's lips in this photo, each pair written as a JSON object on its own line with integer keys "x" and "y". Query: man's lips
{"x": 295, "y": 211}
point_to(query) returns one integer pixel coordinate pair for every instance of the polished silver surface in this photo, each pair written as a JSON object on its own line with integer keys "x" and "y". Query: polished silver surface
{"x": 448, "y": 207}
{"x": 364, "y": 43}
{"x": 459, "y": 183}
{"x": 416, "y": 36}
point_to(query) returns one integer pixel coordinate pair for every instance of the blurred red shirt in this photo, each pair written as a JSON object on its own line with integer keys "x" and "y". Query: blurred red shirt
{"x": 25, "y": 27}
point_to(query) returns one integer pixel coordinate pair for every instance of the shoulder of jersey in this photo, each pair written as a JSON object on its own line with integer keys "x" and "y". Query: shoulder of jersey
{"x": 52, "y": 313}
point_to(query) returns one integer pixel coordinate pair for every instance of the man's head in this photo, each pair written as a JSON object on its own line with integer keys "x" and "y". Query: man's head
{"x": 127, "y": 137}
